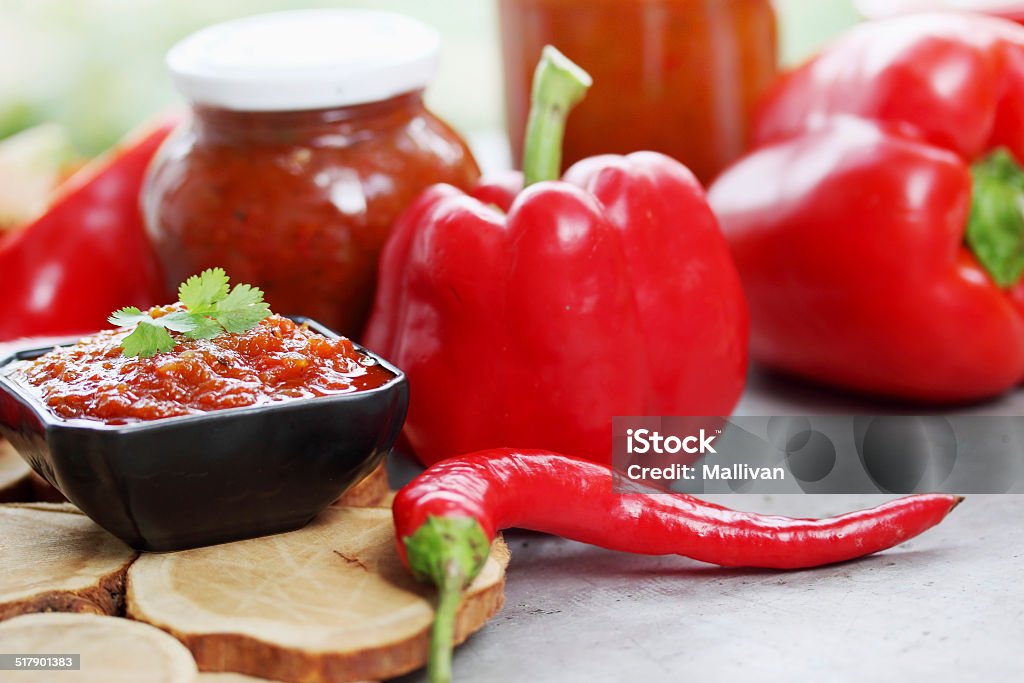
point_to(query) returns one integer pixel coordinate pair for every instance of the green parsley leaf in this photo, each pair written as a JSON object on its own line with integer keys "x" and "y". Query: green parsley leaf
{"x": 179, "y": 321}
{"x": 213, "y": 309}
{"x": 146, "y": 341}
{"x": 200, "y": 293}
{"x": 242, "y": 309}
{"x": 205, "y": 328}
{"x": 128, "y": 317}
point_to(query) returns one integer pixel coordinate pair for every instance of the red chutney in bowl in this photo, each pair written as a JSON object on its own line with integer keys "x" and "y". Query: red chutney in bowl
{"x": 277, "y": 360}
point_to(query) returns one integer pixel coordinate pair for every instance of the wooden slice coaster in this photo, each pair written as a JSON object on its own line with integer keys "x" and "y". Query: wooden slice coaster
{"x": 330, "y": 602}
{"x": 55, "y": 559}
{"x": 370, "y": 492}
{"x": 227, "y": 678}
{"x": 221, "y": 677}
{"x": 14, "y": 475}
{"x": 45, "y": 506}
{"x": 112, "y": 650}
{"x": 42, "y": 491}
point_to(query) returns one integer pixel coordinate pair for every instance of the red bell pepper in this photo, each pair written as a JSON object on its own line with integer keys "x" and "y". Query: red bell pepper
{"x": 532, "y": 319}
{"x": 878, "y": 225}
{"x": 88, "y": 254}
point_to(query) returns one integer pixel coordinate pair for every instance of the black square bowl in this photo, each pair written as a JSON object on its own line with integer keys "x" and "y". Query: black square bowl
{"x": 182, "y": 482}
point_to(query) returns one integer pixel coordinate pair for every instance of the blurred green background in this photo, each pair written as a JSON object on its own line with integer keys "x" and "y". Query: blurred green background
{"x": 96, "y": 66}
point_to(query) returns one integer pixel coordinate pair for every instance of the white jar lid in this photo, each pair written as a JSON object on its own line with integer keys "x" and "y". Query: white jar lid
{"x": 307, "y": 59}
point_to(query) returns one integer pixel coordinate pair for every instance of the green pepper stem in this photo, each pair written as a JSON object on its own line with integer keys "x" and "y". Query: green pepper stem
{"x": 448, "y": 552}
{"x": 442, "y": 636}
{"x": 558, "y": 86}
{"x": 995, "y": 231}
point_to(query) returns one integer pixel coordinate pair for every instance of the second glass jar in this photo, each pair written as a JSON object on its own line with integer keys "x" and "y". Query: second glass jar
{"x": 674, "y": 76}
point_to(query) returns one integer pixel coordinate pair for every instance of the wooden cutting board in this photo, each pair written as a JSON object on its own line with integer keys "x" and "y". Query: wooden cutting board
{"x": 112, "y": 650}
{"x": 14, "y": 475}
{"x": 227, "y": 678}
{"x": 372, "y": 491}
{"x": 330, "y": 602}
{"x": 55, "y": 559}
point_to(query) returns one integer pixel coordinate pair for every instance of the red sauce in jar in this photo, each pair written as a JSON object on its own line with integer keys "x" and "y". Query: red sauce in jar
{"x": 675, "y": 76}
{"x": 298, "y": 203}
{"x": 277, "y": 360}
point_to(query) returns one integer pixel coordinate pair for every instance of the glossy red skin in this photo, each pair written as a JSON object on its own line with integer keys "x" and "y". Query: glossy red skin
{"x": 847, "y": 221}
{"x": 575, "y": 499}
{"x": 88, "y": 255}
{"x": 609, "y": 293}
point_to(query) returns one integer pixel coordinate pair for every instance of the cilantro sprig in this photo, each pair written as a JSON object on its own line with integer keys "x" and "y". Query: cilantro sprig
{"x": 213, "y": 308}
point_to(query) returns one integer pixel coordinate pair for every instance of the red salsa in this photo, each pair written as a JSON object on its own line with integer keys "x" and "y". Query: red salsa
{"x": 277, "y": 360}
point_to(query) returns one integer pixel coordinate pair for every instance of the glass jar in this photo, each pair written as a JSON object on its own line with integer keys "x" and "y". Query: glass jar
{"x": 308, "y": 137}
{"x": 675, "y": 76}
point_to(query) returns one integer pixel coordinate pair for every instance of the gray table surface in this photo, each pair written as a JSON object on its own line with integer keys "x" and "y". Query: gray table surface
{"x": 947, "y": 606}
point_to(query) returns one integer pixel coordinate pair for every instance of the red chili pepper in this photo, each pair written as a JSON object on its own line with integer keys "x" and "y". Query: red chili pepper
{"x": 88, "y": 254}
{"x": 446, "y": 519}
{"x": 531, "y": 318}
{"x": 869, "y": 260}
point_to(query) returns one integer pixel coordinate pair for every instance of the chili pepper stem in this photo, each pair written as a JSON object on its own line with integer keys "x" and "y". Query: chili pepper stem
{"x": 448, "y": 552}
{"x": 558, "y": 86}
{"x": 449, "y": 593}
